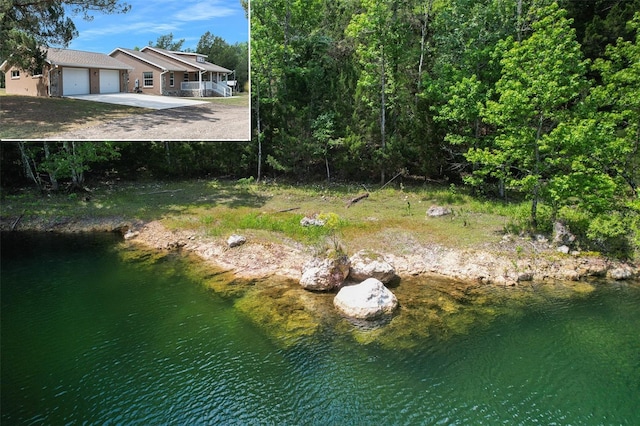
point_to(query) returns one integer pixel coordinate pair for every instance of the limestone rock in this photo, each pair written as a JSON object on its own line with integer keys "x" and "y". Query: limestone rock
{"x": 131, "y": 234}
{"x": 325, "y": 274}
{"x": 368, "y": 300}
{"x": 436, "y": 211}
{"x": 620, "y": 273}
{"x": 236, "y": 240}
{"x": 311, "y": 221}
{"x": 561, "y": 235}
{"x": 366, "y": 264}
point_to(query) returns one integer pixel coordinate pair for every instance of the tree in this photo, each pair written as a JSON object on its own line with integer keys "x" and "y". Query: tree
{"x": 63, "y": 160}
{"x": 234, "y": 57}
{"x": 27, "y": 27}
{"x": 373, "y": 32}
{"x": 166, "y": 42}
{"x": 541, "y": 77}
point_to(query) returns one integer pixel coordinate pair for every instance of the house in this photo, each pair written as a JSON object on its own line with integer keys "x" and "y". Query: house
{"x": 163, "y": 72}
{"x": 69, "y": 72}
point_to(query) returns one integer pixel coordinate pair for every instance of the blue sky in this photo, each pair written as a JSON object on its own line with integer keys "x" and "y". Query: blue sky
{"x": 147, "y": 20}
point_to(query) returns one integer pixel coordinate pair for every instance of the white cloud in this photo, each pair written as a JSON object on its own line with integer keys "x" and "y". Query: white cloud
{"x": 126, "y": 28}
{"x": 203, "y": 12}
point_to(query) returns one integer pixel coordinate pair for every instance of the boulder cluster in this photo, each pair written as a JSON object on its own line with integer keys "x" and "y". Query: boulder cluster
{"x": 360, "y": 281}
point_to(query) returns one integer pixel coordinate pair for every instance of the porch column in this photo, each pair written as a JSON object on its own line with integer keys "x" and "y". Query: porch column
{"x": 200, "y": 82}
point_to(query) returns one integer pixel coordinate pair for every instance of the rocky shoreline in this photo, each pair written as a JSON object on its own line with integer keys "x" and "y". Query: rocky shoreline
{"x": 511, "y": 261}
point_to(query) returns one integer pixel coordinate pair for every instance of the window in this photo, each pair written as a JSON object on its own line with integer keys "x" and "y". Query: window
{"x": 148, "y": 78}
{"x": 15, "y": 74}
{"x": 199, "y": 59}
{"x": 186, "y": 76}
{"x": 171, "y": 80}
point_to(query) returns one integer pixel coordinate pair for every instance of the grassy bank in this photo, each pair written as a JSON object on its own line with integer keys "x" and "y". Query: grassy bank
{"x": 273, "y": 212}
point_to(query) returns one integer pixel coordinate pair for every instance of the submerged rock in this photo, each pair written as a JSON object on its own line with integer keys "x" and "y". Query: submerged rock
{"x": 368, "y": 300}
{"x": 366, "y": 264}
{"x": 325, "y": 274}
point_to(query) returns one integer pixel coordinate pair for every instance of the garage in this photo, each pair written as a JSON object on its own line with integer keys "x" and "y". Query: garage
{"x": 75, "y": 81}
{"x": 109, "y": 81}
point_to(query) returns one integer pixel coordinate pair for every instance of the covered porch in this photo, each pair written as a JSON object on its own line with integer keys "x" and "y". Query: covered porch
{"x": 205, "y": 84}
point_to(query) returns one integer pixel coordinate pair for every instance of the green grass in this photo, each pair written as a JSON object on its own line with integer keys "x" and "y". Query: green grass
{"x": 240, "y": 100}
{"x": 389, "y": 217}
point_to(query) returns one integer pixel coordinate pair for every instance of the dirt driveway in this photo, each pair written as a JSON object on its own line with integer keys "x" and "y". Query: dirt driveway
{"x": 209, "y": 121}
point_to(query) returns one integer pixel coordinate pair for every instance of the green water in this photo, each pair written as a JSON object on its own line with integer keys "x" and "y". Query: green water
{"x": 91, "y": 338}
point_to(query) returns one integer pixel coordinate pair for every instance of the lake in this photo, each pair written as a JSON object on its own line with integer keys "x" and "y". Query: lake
{"x": 92, "y": 336}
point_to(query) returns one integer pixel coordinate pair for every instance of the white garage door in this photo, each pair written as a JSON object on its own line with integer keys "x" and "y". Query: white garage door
{"x": 109, "y": 81}
{"x": 75, "y": 81}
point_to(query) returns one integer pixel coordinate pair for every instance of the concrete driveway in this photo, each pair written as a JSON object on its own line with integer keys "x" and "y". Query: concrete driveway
{"x": 140, "y": 100}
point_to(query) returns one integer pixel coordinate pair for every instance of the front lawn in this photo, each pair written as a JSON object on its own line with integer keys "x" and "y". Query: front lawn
{"x": 31, "y": 117}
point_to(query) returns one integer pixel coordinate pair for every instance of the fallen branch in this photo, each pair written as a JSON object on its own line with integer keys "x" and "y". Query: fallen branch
{"x": 160, "y": 192}
{"x": 288, "y": 210}
{"x": 356, "y": 199}
{"x": 392, "y": 179}
{"x": 13, "y": 227}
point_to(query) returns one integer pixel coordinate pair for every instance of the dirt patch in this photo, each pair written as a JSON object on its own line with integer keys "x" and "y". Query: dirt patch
{"x": 212, "y": 121}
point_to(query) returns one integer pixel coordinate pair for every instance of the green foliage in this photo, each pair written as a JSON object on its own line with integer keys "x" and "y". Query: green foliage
{"x": 233, "y": 57}
{"x": 26, "y": 27}
{"x": 541, "y": 76}
{"x": 166, "y": 42}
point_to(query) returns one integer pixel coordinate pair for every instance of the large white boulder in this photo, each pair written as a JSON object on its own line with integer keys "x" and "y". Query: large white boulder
{"x": 368, "y": 300}
{"x": 367, "y": 264}
{"x": 324, "y": 274}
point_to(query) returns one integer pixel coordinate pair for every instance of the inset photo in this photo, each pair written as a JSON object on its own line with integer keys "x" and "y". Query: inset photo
{"x": 125, "y": 70}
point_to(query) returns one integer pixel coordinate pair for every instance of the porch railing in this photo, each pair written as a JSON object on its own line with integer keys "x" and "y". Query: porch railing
{"x": 220, "y": 88}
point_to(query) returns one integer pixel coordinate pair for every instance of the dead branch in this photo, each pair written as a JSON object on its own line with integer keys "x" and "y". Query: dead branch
{"x": 392, "y": 179}
{"x": 288, "y": 210}
{"x": 356, "y": 199}
{"x": 13, "y": 227}
{"x": 160, "y": 192}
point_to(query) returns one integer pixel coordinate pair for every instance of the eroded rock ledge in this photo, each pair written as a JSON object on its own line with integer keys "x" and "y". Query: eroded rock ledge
{"x": 261, "y": 259}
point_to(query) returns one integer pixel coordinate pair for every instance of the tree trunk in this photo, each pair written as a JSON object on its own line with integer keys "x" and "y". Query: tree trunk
{"x": 259, "y": 132}
{"x": 519, "y": 28}
{"x": 167, "y": 152}
{"x": 326, "y": 163}
{"x": 423, "y": 37}
{"x": 27, "y": 164}
{"x": 536, "y": 172}
{"x": 77, "y": 175}
{"x": 52, "y": 175}
{"x": 383, "y": 117}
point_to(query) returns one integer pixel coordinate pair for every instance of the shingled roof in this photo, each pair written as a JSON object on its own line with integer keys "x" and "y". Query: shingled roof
{"x": 190, "y": 59}
{"x": 155, "y": 61}
{"x": 78, "y": 58}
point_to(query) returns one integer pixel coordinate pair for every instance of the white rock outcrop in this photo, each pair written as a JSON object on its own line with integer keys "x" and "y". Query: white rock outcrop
{"x": 236, "y": 240}
{"x": 325, "y": 274}
{"x": 367, "y": 264}
{"x": 437, "y": 211}
{"x": 368, "y": 300}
